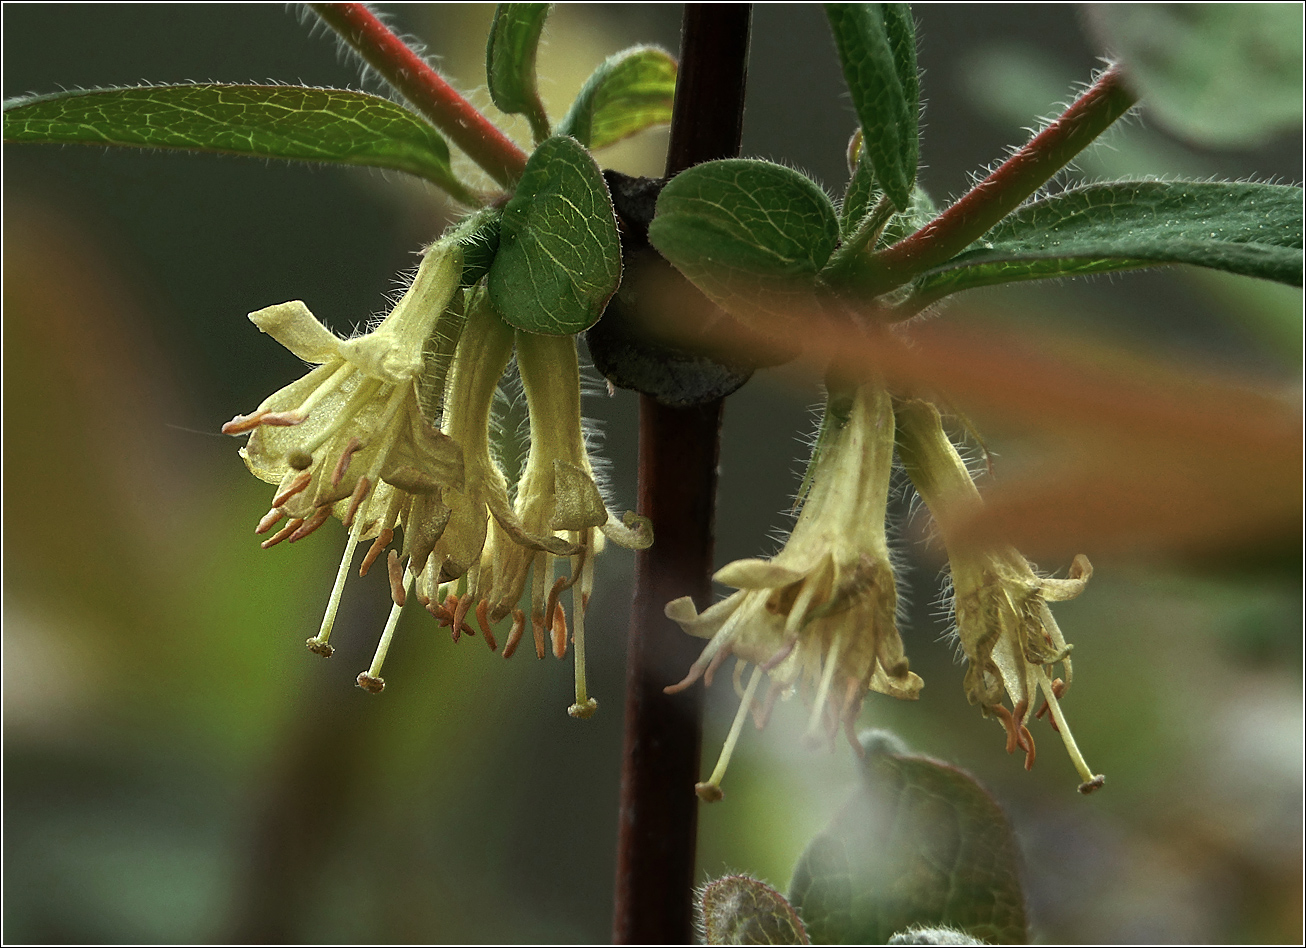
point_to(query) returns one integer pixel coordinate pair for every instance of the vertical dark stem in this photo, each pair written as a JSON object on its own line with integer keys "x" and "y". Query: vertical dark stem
{"x": 678, "y": 455}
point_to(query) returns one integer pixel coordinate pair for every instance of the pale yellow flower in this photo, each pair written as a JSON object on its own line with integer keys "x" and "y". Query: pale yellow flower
{"x": 1012, "y": 642}
{"x": 352, "y": 438}
{"x": 821, "y": 613}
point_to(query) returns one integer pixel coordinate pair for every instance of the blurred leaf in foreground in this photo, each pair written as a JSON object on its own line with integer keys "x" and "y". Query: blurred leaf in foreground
{"x": 920, "y": 844}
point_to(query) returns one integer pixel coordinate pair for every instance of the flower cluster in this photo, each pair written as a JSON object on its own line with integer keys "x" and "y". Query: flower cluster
{"x": 820, "y": 615}
{"x": 391, "y": 432}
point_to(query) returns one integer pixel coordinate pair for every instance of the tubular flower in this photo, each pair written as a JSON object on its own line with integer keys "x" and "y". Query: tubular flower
{"x": 354, "y": 437}
{"x": 1012, "y": 642}
{"x": 819, "y": 614}
{"x": 559, "y": 513}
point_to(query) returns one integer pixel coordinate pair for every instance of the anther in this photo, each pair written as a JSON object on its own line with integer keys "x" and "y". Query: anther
{"x": 297, "y": 484}
{"x": 242, "y": 423}
{"x": 483, "y": 620}
{"x": 355, "y": 499}
{"x": 379, "y": 544}
{"x": 320, "y": 516}
{"x": 559, "y": 631}
{"x": 397, "y": 593}
{"x": 281, "y": 534}
{"x": 269, "y": 520}
{"x": 515, "y": 634}
{"x": 343, "y": 464}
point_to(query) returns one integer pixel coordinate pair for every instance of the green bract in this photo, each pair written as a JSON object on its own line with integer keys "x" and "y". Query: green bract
{"x": 559, "y": 259}
{"x": 750, "y": 234}
{"x": 295, "y": 123}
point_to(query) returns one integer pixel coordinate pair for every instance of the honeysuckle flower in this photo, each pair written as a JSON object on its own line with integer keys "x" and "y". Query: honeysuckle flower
{"x": 559, "y": 513}
{"x": 1011, "y": 641}
{"x": 352, "y": 437}
{"x": 821, "y": 613}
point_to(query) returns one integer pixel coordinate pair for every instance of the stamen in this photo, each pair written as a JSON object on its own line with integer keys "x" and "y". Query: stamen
{"x": 710, "y": 791}
{"x": 242, "y": 423}
{"x": 780, "y": 655}
{"x": 380, "y": 543}
{"x": 398, "y": 587}
{"x": 483, "y": 620}
{"x": 269, "y": 520}
{"x": 356, "y": 499}
{"x": 297, "y": 484}
{"x": 717, "y": 660}
{"x": 541, "y": 573}
{"x": 558, "y": 632}
{"x": 281, "y": 534}
{"x": 827, "y": 676}
{"x": 371, "y": 679}
{"x": 1008, "y": 722}
{"x": 515, "y": 634}
{"x": 463, "y": 606}
{"x": 318, "y": 643}
{"x": 342, "y": 465}
{"x": 320, "y": 516}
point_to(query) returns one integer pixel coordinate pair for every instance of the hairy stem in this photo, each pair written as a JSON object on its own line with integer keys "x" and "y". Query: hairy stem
{"x": 423, "y": 87}
{"x": 678, "y": 456}
{"x": 1011, "y": 183}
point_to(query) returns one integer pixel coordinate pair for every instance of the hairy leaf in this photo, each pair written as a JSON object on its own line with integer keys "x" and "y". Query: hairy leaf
{"x": 1251, "y": 229}
{"x": 510, "y": 62}
{"x": 294, "y": 123}
{"x": 877, "y": 49}
{"x": 751, "y": 235}
{"x": 737, "y": 910}
{"x": 559, "y": 257}
{"x": 920, "y": 844}
{"x": 629, "y": 92}
{"x": 1223, "y": 74}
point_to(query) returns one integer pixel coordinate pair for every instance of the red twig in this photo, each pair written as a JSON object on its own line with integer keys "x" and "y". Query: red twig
{"x": 1011, "y": 183}
{"x": 423, "y": 87}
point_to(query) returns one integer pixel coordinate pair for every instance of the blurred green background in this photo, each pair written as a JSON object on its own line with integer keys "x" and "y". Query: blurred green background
{"x": 179, "y": 769}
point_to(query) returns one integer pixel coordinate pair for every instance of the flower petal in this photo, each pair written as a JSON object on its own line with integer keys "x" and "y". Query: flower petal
{"x": 296, "y": 328}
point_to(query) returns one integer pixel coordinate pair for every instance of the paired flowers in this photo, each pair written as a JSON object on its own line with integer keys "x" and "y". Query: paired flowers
{"x": 391, "y": 432}
{"x": 820, "y": 615}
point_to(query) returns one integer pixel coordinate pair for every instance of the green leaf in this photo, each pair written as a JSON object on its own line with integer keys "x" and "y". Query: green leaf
{"x": 920, "y": 844}
{"x": 877, "y": 49}
{"x": 1245, "y": 228}
{"x": 751, "y": 235}
{"x": 559, "y": 258}
{"x": 294, "y": 123}
{"x": 629, "y": 92}
{"x": 1222, "y": 74}
{"x": 737, "y": 910}
{"x": 510, "y": 62}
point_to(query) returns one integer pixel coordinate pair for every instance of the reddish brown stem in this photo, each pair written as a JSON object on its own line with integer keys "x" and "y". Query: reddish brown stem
{"x": 423, "y": 87}
{"x": 678, "y": 456}
{"x": 1002, "y": 191}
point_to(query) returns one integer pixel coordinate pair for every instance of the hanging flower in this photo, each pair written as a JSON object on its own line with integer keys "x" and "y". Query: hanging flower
{"x": 1011, "y": 641}
{"x": 354, "y": 437}
{"x": 559, "y": 515}
{"x": 821, "y": 613}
